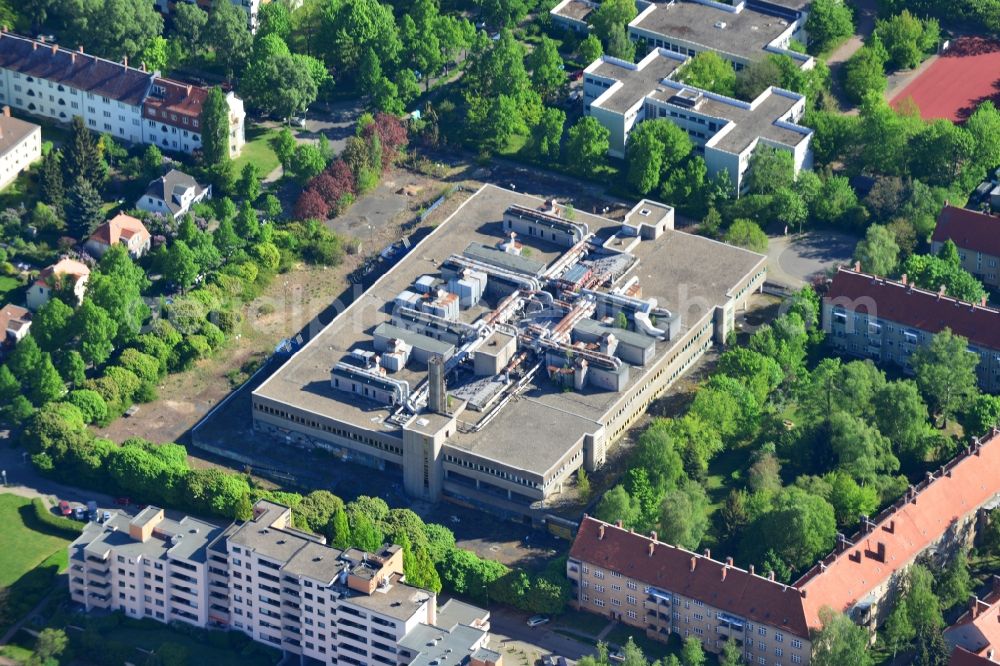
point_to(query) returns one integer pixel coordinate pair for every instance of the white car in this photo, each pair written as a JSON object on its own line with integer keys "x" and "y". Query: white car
{"x": 536, "y": 620}
{"x": 297, "y": 121}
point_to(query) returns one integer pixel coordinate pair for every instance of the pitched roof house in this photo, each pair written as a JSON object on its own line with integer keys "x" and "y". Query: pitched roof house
{"x": 123, "y": 229}
{"x": 977, "y": 236}
{"x": 51, "y": 276}
{"x": 14, "y": 323}
{"x": 173, "y": 194}
{"x": 975, "y": 636}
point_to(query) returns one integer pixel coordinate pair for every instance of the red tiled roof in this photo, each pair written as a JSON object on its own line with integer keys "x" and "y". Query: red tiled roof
{"x": 969, "y": 229}
{"x": 739, "y": 592}
{"x": 962, "y": 657}
{"x": 120, "y": 226}
{"x": 177, "y": 101}
{"x": 914, "y": 307}
{"x": 903, "y": 531}
{"x": 978, "y": 629}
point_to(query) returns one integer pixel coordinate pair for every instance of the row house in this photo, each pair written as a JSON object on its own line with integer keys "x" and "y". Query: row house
{"x": 113, "y": 98}
{"x": 975, "y": 637}
{"x": 977, "y": 236}
{"x": 886, "y": 321}
{"x": 664, "y": 589}
{"x": 20, "y": 146}
{"x": 280, "y": 586}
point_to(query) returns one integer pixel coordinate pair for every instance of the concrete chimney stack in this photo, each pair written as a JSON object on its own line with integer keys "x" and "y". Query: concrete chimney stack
{"x": 437, "y": 398}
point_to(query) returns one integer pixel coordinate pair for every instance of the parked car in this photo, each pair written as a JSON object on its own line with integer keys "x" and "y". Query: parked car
{"x": 297, "y": 121}
{"x": 536, "y": 620}
{"x": 80, "y": 513}
{"x": 92, "y": 510}
{"x": 106, "y": 516}
{"x": 618, "y": 655}
{"x": 64, "y": 508}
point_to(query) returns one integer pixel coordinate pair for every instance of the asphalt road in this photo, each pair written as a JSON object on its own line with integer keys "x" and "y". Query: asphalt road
{"x": 510, "y": 634}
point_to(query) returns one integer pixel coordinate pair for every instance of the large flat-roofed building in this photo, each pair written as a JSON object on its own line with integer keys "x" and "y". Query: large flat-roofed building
{"x": 664, "y": 589}
{"x": 977, "y": 236}
{"x": 512, "y": 346}
{"x": 280, "y": 586}
{"x": 724, "y": 130}
{"x": 886, "y": 321}
{"x": 20, "y": 146}
{"x": 741, "y": 33}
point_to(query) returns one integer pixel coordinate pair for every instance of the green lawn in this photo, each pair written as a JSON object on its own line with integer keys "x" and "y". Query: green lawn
{"x": 31, "y": 556}
{"x": 653, "y": 649}
{"x": 198, "y": 651}
{"x": 258, "y": 150}
{"x": 7, "y": 285}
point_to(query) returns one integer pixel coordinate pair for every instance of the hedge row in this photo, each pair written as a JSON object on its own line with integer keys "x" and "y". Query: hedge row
{"x": 70, "y": 529}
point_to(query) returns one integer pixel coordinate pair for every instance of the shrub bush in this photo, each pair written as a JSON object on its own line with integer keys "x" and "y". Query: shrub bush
{"x": 70, "y": 529}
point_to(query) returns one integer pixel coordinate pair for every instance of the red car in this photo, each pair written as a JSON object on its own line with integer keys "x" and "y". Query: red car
{"x": 64, "y": 508}
{"x": 123, "y": 501}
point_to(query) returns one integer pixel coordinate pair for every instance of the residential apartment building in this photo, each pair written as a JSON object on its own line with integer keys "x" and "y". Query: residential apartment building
{"x": 57, "y": 276}
{"x": 280, "y": 586}
{"x": 741, "y": 33}
{"x": 975, "y": 636}
{"x": 130, "y": 104}
{"x": 664, "y": 589}
{"x": 173, "y": 194}
{"x": 20, "y": 146}
{"x": 977, "y": 236}
{"x": 725, "y": 131}
{"x": 886, "y": 321}
{"x": 123, "y": 229}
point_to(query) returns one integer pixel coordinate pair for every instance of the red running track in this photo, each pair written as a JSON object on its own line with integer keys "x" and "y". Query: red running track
{"x": 965, "y": 75}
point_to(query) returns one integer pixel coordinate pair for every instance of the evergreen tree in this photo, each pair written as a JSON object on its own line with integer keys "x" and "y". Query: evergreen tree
{"x": 82, "y": 156}
{"x": 50, "y": 180}
{"x": 72, "y": 368}
{"x": 84, "y": 208}
{"x": 215, "y": 128}
{"x": 364, "y": 533}
{"x": 46, "y": 384}
{"x": 341, "y": 532}
{"x": 225, "y": 238}
{"x": 249, "y": 185}
{"x": 246, "y": 225}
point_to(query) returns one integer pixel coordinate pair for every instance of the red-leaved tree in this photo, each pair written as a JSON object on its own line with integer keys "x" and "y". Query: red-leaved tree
{"x": 391, "y": 134}
{"x": 311, "y": 206}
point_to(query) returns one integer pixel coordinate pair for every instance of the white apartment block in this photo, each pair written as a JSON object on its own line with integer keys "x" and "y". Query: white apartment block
{"x": 279, "y": 585}
{"x": 20, "y": 146}
{"x": 740, "y": 33}
{"x": 127, "y": 103}
{"x": 725, "y": 131}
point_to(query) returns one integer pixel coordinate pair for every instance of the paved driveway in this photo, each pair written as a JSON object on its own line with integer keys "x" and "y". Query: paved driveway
{"x": 795, "y": 260}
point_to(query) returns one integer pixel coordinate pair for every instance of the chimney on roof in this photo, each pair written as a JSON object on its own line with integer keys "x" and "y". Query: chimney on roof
{"x": 125, "y": 61}
{"x": 142, "y": 66}
{"x": 857, "y": 266}
{"x": 654, "y": 536}
{"x": 880, "y": 551}
{"x": 41, "y": 38}
{"x": 802, "y": 592}
{"x": 841, "y": 542}
{"x": 729, "y": 562}
{"x": 982, "y": 301}
{"x": 55, "y": 49}
{"x": 618, "y": 523}
{"x": 942, "y": 291}
{"x": 80, "y": 48}
{"x": 189, "y": 89}
{"x": 996, "y": 585}
{"x": 694, "y": 563}
{"x": 903, "y": 278}
{"x": 929, "y": 475}
{"x": 751, "y": 570}
{"x": 770, "y": 576}
{"x": 822, "y": 565}
{"x": 6, "y": 111}
{"x": 724, "y": 570}
{"x": 652, "y": 547}
{"x": 973, "y": 606}
{"x": 708, "y": 553}
{"x": 34, "y": 46}
{"x": 72, "y": 57}
{"x": 600, "y": 533}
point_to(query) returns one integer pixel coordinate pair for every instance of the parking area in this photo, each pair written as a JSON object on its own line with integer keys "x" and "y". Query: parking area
{"x": 795, "y": 260}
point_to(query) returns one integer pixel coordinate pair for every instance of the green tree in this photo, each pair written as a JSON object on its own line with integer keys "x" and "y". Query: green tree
{"x": 215, "y": 116}
{"x": 546, "y": 136}
{"x": 829, "y": 23}
{"x": 619, "y": 45}
{"x": 308, "y": 162}
{"x": 249, "y": 184}
{"x": 587, "y": 145}
{"x": 274, "y": 18}
{"x": 357, "y": 25}
{"x": 770, "y": 169}
{"x": 748, "y": 234}
{"x": 932, "y": 649}
{"x": 921, "y": 602}
{"x": 188, "y": 22}
{"x": 940, "y": 152}
{"x": 707, "y": 70}
{"x": 933, "y": 272}
{"x": 654, "y": 148}
{"x": 116, "y": 28}
{"x": 978, "y": 416}
{"x": 50, "y": 180}
{"x": 365, "y": 534}
{"x": 72, "y": 368}
{"x": 340, "y": 530}
{"x": 684, "y": 516}
{"x": 864, "y": 73}
{"x": 984, "y": 126}
{"x": 84, "y": 208}
{"x": 692, "y": 654}
{"x": 50, "y": 644}
{"x": 898, "y": 631}
{"x": 92, "y": 406}
{"x": 46, "y": 385}
{"x": 178, "y": 265}
{"x": 96, "y": 331}
{"x": 50, "y": 325}
{"x": 618, "y": 505}
{"x": 612, "y": 15}
{"x": 590, "y": 49}
{"x": 799, "y": 527}
{"x": 946, "y": 373}
{"x": 284, "y": 148}
{"x": 548, "y": 73}
{"x": 878, "y": 251}
{"x": 840, "y": 641}
{"x": 731, "y": 654}
{"x": 228, "y": 34}
{"x": 81, "y": 156}
{"x": 955, "y": 586}
{"x": 904, "y": 39}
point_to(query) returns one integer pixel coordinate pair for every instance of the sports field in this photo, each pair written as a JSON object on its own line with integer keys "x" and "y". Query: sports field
{"x": 965, "y": 75}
